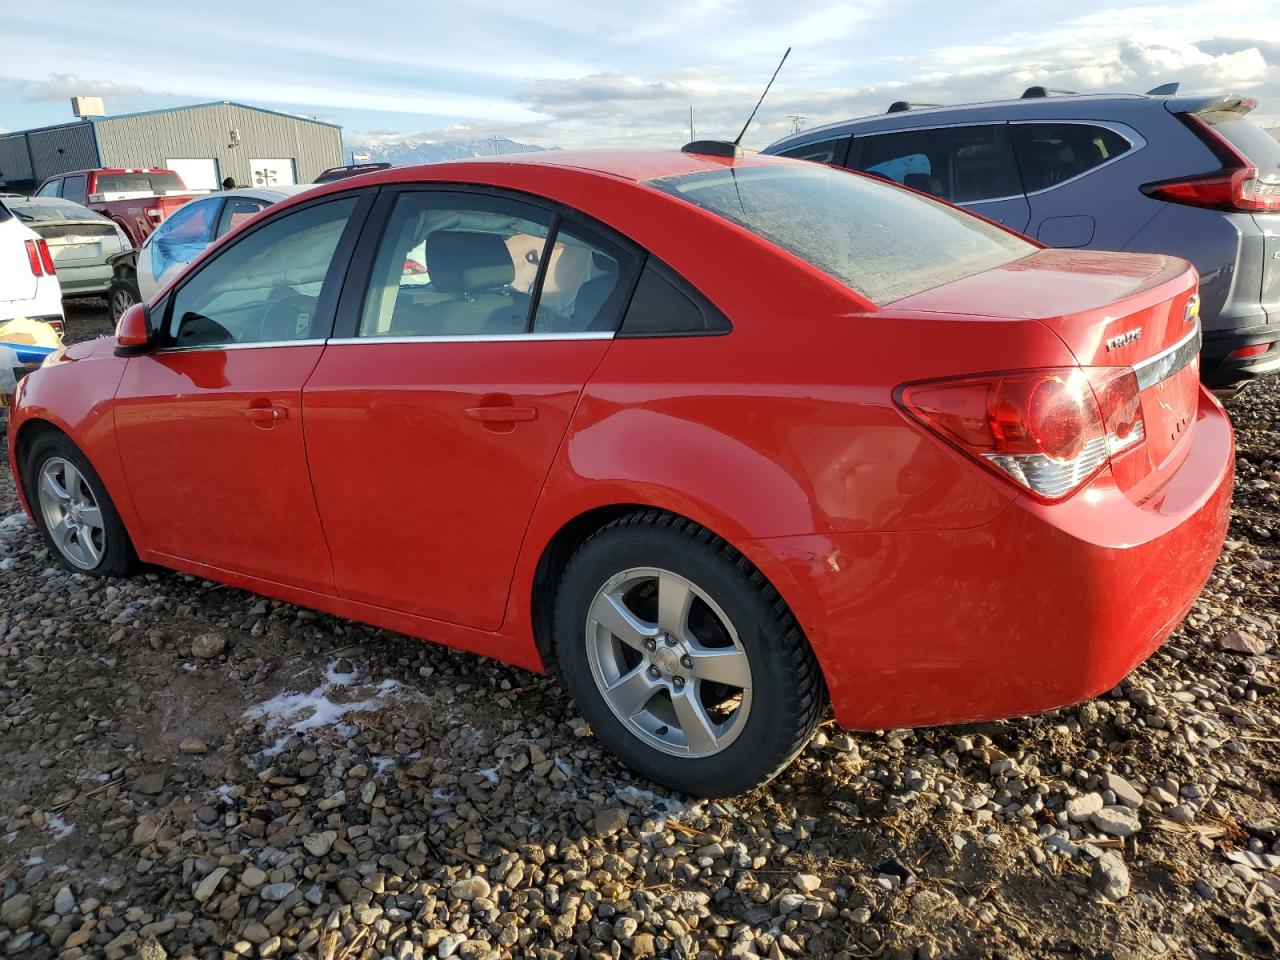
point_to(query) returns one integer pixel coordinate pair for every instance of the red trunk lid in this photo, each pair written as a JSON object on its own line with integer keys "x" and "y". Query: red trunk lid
{"x": 1133, "y": 310}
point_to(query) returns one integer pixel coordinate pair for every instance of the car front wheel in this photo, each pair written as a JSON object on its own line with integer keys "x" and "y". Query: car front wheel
{"x": 683, "y": 658}
{"x": 73, "y": 510}
{"x": 122, "y": 295}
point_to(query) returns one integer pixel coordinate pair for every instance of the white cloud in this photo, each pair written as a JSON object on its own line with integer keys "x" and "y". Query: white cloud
{"x": 62, "y": 86}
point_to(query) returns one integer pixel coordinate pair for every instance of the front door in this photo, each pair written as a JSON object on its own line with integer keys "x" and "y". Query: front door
{"x": 431, "y": 425}
{"x": 209, "y": 424}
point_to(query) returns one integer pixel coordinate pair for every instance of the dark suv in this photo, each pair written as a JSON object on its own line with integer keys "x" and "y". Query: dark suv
{"x": 1187, "y": 175}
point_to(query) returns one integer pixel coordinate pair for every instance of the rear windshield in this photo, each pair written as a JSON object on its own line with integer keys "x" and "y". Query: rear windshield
{"x": 1258, "y": 146}
{"x": 157, "y": 183}
{"x": 35, "y": 208}
{"x": 879, "y": 240}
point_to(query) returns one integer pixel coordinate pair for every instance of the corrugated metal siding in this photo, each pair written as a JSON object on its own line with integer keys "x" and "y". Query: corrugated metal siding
{"x": 148, "y": 140}
{"x": 15, "y": 165}
{"x": 62, "y": 148}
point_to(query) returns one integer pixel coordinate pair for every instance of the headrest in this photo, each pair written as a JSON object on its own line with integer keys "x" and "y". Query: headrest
{"x": 461, "y": 261}
{"x": 924, "y": 182}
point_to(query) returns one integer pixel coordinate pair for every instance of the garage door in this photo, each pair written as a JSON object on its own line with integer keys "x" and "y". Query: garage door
{"x": 271, "y": 173}
{"x": 198, "y": 174}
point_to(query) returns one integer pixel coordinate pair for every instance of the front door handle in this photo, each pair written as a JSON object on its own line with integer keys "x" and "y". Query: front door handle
{"x": 502, "y": 414}
{"x": 265, "y": 414}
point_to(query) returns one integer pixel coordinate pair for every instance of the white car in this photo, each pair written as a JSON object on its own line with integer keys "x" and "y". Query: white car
{"x": 28, "y": 284}
{"x": 193, "y": 227}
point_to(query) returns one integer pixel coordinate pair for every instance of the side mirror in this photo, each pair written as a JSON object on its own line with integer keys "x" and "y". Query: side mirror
{"x": 133, "y": 332}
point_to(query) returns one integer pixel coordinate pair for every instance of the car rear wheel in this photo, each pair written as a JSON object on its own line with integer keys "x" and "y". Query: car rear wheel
{"x": 122, "y": 295}
{"x": 74, "y": 512}
{"x": 683, "y": 658}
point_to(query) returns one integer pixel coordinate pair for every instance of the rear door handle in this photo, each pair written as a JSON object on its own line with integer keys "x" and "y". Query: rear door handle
{"x": 265, "y": 414}
{"x": 502, "y": 414}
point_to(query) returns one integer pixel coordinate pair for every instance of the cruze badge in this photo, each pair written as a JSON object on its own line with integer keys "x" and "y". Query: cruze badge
{"x": 1124, "y": 339}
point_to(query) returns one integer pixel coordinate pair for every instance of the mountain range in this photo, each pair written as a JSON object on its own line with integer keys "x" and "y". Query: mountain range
{"x": 403, "y": 151}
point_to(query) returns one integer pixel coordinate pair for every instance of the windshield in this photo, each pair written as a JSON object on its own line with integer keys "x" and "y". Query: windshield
{"x": 34, "y": 208}
{"x": 153, "y": 182}
{"x": 881, "y": 241}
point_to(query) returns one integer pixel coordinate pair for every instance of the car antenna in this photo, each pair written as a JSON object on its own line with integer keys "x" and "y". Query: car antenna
{"x": 719, "y": 148}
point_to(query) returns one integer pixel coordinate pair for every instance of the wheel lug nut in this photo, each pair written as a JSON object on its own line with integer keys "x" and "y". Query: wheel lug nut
{"x": 654, "y": 672}
{"x": 679, "y": 683}
{"x": 670, "y": 640}
{"x": 650, "y": 645}
{"x": 686, "y": 662}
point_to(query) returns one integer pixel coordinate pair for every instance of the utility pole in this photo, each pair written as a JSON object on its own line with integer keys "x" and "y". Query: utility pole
{"x": 797, "y": 122}
{"x": 496, "y": 144}
{"x": 692, "y": 135}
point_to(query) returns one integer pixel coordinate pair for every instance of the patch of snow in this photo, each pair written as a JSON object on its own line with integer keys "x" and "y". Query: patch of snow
{"x": 383, "y": 764}
{"x": 490, "y": 774}
{"x": 59, "y": 826}
{"x": 224, "y": 793}
{"x": 7, "y": 564}
{"x": 33, "y": 861}
{"x": 302, "y": 712}
{"x": 13, "y": 524}
{"x": 189, "y": 667}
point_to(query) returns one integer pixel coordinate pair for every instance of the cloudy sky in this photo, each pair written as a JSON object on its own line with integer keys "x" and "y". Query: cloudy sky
{"x": 604, "y": 73}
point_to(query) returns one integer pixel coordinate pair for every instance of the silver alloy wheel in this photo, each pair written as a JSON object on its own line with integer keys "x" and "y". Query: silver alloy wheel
{"x": 71, "y": 513}
{"x": 668, "y": 662}
{"x": 121, "y": 300}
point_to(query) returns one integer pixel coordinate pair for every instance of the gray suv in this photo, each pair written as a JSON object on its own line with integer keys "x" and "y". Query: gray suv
{"x": 1189, "y": 176}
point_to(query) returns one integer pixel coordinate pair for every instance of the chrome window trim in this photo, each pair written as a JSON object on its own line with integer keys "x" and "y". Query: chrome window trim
{"x": 1135, "y": 140}
{"x": 478, "y": 338}
{"x": 1169, "y": 361}
{"x": 256, "y": 345}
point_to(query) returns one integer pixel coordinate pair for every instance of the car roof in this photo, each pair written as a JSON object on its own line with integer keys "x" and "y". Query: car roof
{"x": 635, "y": 165}
{"x": 1100, "y": 106}
{"x": 274, "y": 194}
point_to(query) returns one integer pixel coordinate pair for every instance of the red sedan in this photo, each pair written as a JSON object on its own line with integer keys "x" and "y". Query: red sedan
{"x": 726, "y": 440}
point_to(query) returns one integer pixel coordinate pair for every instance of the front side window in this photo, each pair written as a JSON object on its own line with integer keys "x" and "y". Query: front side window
{"x": 880, "y": 241}
{"x": 960, "y": 164}
{"x": 1053, "y": 153}
{"x": 824, "y": 151}
{"x": 460, "y": 265}
{"x": 265, "y": 286}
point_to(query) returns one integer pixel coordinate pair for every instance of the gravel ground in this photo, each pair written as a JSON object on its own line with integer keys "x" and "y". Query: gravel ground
{"x": 195, "y": 771}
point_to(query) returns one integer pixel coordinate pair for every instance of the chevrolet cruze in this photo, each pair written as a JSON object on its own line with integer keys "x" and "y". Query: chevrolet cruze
{"x": 724, "y": 439}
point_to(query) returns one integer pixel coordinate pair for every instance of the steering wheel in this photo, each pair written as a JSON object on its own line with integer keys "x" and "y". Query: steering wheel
{"x": 280, "y": 321}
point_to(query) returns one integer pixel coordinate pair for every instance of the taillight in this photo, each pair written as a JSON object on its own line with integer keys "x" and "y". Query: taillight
{"x": 1049, "y": 431}
{"x": 33, "y": 258}
{"x": 46, "y": 258}
{"x": 1237, "y": 186}
{"x": 1253, "y": 350}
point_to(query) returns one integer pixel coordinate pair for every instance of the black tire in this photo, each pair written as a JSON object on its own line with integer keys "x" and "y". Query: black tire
{"x": 788, "y": 695}
{"x": 118, "y": 558}
{"x": 122, "y": 294}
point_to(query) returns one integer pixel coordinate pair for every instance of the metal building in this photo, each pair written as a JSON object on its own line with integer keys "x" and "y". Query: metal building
{"x": 205, "y": 143}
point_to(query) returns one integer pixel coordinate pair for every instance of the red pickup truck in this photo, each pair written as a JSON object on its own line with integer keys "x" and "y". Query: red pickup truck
{"x": 136, "y": 199}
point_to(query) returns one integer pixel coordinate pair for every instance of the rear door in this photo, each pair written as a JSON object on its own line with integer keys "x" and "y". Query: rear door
{"x": 1077, "y": 198}
{"x": 971, "y": 165}
{"x": 435, "y": 413}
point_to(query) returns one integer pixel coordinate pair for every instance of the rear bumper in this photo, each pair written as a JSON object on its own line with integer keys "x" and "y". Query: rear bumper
{"x": 1219, "y": 369}
{"x": 90, "y": 279}
{"x": 1045, "y": 606}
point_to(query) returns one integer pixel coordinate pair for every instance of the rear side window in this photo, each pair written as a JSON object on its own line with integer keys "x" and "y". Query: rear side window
{"x": 664, "y": 305}
{"x": 153, "y": 182}
{"x": 1257, "y": 145}
{"x": 960, "y": 164}
{"x": 73, "y": 188}
{"x": 50, "y": 189}
{"x": 1053, "y": 153}
{"x": 883, "y": 242}
{"x": 236, "y": 211}
{"x": 824, "y": 151}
